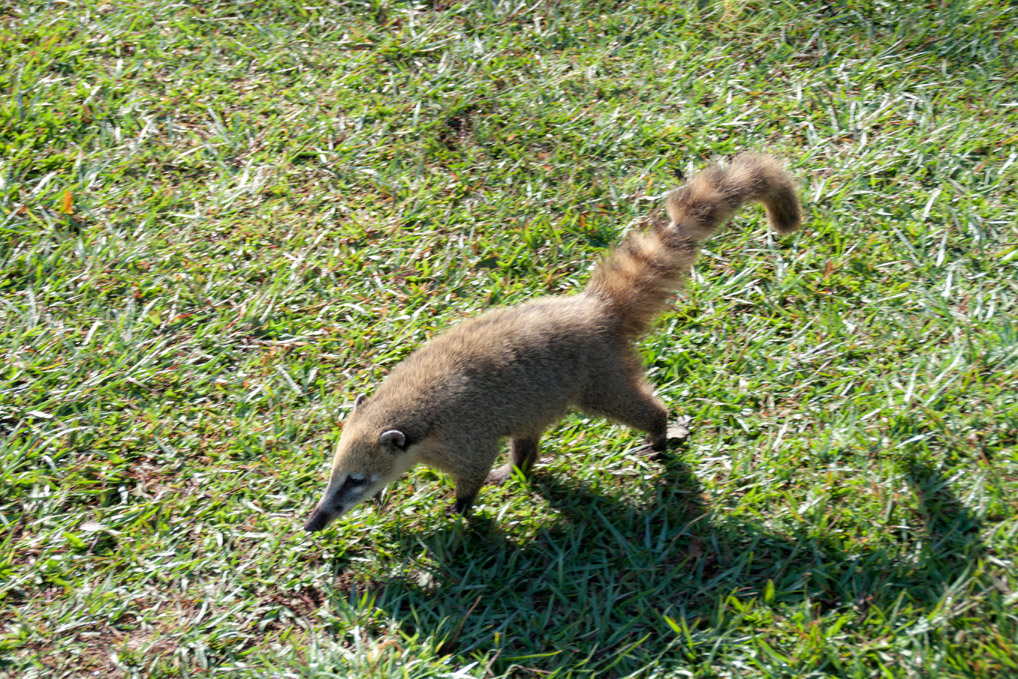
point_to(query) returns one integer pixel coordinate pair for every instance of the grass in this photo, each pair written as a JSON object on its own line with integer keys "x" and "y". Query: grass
{"x": 220, "y": 222}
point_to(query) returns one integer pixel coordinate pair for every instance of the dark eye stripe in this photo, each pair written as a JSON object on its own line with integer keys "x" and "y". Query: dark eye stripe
{"x": 356, "y": 481}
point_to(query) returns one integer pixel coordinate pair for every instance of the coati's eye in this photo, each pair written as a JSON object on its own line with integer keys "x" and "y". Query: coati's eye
{"x": 354, "y": 483}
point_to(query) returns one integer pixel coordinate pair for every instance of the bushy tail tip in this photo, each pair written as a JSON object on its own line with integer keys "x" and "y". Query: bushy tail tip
{"x": 709, "y": 199}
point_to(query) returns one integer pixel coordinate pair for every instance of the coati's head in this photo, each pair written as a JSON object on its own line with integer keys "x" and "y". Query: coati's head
{"x": 368, "y": 457}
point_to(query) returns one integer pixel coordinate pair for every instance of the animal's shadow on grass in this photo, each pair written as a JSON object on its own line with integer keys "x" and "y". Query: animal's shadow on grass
{"x": 591, "y": 591}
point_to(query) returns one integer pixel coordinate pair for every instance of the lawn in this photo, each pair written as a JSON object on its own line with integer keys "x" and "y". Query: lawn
{"x": 221, "y": 221}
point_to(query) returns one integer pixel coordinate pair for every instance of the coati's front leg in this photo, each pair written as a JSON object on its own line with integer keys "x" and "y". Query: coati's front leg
{"x": 464, "y": 502}
{"x": 522, "y": 455}
{"x": 469, "y": 475}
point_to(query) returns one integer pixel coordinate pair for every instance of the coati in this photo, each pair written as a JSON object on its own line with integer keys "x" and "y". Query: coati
{"x": 512, "y": 372}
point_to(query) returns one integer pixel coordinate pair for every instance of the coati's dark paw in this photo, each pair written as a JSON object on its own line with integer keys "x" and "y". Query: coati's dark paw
{"x": 462, "y": 507}
{"x": 655, "y": 446}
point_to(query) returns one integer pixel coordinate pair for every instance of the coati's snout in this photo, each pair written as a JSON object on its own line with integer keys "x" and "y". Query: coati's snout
{"x": 340, "y": 495}
{"x": 318, "y": 520}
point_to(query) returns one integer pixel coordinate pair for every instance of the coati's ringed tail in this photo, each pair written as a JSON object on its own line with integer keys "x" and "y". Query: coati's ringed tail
{"x": 513, "y": 372}
{"x": 640, "y": 275}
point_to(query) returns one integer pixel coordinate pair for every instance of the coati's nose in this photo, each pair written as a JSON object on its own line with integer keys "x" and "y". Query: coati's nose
{"x": 318, "y": 520}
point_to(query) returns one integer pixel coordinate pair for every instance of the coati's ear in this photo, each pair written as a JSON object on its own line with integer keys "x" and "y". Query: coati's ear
{"x": 359, "y": 400}
{"x": 394, "y": 438}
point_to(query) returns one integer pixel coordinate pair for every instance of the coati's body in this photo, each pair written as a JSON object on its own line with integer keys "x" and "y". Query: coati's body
{"x": 513, "y": 372}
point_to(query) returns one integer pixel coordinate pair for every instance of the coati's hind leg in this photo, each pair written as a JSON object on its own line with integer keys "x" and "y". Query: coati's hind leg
{"x": 522, "y": 455}
{"x": 621, "y": 394}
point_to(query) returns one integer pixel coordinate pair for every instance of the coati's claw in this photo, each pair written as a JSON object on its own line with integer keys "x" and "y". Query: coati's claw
{"x": 654, "y": 447}
{"x": 648, "y": 450}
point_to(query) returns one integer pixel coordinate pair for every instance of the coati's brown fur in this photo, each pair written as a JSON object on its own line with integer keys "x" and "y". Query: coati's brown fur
{"x": 513, "y": 372}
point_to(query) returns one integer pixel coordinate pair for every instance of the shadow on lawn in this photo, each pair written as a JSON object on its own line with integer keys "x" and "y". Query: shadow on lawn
{"x": 590, "y": 591}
